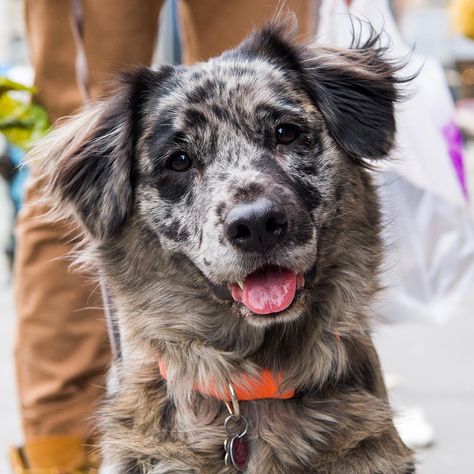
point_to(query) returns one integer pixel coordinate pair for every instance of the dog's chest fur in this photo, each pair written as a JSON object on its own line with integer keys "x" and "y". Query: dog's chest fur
{"x": 325, "y": 431}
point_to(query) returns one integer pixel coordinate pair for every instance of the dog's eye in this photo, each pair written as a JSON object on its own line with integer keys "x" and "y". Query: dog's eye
{"x": 180, "y": 162}
{"x": 286, "y": 133}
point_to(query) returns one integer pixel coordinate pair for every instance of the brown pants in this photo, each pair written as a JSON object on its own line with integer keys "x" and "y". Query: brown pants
{"x": 62, "y": 351}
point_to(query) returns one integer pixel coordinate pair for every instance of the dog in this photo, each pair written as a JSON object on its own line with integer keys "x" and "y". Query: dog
{"x": 229, "y": 209}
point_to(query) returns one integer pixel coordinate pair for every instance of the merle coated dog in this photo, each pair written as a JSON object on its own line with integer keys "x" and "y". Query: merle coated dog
{"x": 230, "y": 210}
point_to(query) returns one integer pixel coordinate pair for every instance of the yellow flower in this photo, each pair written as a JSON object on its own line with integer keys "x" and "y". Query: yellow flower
{"x": 463, "y": 15}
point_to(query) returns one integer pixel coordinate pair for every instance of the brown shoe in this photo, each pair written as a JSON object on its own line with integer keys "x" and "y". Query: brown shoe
{"x": 55, "y": 455}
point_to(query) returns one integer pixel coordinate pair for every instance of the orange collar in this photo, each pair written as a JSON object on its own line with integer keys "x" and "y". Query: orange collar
{"x": 246, "y": 388}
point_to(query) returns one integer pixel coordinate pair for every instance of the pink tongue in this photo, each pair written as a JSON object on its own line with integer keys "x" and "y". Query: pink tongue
{"x": 269, "y": 291}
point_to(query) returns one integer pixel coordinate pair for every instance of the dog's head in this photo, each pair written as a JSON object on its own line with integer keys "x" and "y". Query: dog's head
{"x": 251, "y": 167}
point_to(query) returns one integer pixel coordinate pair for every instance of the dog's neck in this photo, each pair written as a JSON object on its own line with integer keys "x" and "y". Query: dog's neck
{"x": 296, "y": 360}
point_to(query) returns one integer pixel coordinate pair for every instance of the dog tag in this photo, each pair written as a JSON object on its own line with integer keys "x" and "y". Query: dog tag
{"x": 236, "y": 445}
{"x": 237, "y": 452}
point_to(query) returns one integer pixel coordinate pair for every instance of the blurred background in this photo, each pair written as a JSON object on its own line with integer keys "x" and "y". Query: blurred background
{"x": 427, "y": 360}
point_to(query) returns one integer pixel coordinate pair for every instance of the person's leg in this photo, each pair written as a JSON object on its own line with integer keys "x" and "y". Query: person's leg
{"x": 52, "y": 54}
{"x": 118, "y": 34}
{"x": 62, "y": 351}
{"x": 53, "y": 349}
{"x": 212, "y": 26}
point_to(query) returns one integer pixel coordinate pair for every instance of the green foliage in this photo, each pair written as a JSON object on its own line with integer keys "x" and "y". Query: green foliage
{"x": 20, "y": 122}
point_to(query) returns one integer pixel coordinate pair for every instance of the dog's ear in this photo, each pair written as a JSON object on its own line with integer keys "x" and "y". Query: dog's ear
{"x": 355, "y": 89}
{"x": 87, "y": 163}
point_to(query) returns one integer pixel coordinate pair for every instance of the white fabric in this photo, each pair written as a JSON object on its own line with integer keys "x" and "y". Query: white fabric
{"x": 429, "y": 233}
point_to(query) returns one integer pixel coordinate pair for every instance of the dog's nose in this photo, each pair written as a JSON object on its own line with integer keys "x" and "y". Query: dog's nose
{"x": 255, "y": 226}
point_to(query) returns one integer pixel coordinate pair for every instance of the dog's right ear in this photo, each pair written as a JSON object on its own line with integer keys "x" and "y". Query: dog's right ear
{"x": 87, "y": 162}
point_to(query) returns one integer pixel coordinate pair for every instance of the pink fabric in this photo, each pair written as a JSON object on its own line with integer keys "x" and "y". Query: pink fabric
{"x": 453, "y": 137}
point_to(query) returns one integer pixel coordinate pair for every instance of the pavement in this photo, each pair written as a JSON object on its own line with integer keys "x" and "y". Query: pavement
{"x": 435, "y": 366}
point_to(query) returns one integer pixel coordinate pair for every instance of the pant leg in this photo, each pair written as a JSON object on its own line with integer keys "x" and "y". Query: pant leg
{"x": 61, "y": 351}
{"x": 52, "y": 54}
{"x": 212, "y": 26}
{"x": 118, "y": 34}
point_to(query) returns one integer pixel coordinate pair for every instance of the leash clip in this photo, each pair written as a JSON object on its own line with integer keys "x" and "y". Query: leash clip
{"x": 234, "y": 409}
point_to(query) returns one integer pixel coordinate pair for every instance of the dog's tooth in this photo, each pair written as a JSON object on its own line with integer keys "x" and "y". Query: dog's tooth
{"x": 241, "y": 284}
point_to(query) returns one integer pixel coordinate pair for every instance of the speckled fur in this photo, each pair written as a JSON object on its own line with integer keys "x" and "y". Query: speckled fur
{"x": 156, "y": 237}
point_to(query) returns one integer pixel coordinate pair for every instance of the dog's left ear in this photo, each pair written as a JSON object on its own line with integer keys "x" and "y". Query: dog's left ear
{"x": 87, "y": 163}
{"x": 355, "y": 89}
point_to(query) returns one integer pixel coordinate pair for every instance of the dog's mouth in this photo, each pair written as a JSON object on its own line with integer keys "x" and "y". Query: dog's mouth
{"x": 269, "y": 290}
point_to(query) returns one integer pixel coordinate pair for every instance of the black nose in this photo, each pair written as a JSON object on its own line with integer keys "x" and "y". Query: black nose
{"x": 255, "y": 226}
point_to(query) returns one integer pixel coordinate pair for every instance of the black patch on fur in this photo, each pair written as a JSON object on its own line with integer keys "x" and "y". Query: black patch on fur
{"x": 131, "y": 467}
{"x": 220, "y": 208}
{"x": 175, "y": 232}
{"x": 339, "y": 192}
{"x": 221, "y": 113}
{"x": 164, "y": 126}
{"x": 196, "y": 75}
{"x": 308, "y": 193}
{"x": 251, "y": 192}
{"x": 172, "y": 186}
{"x": 310, "y": 168}
{"x": 194, "y": 118}
{"x": 168, "y": 412}
{"x": 203, "y": 92}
